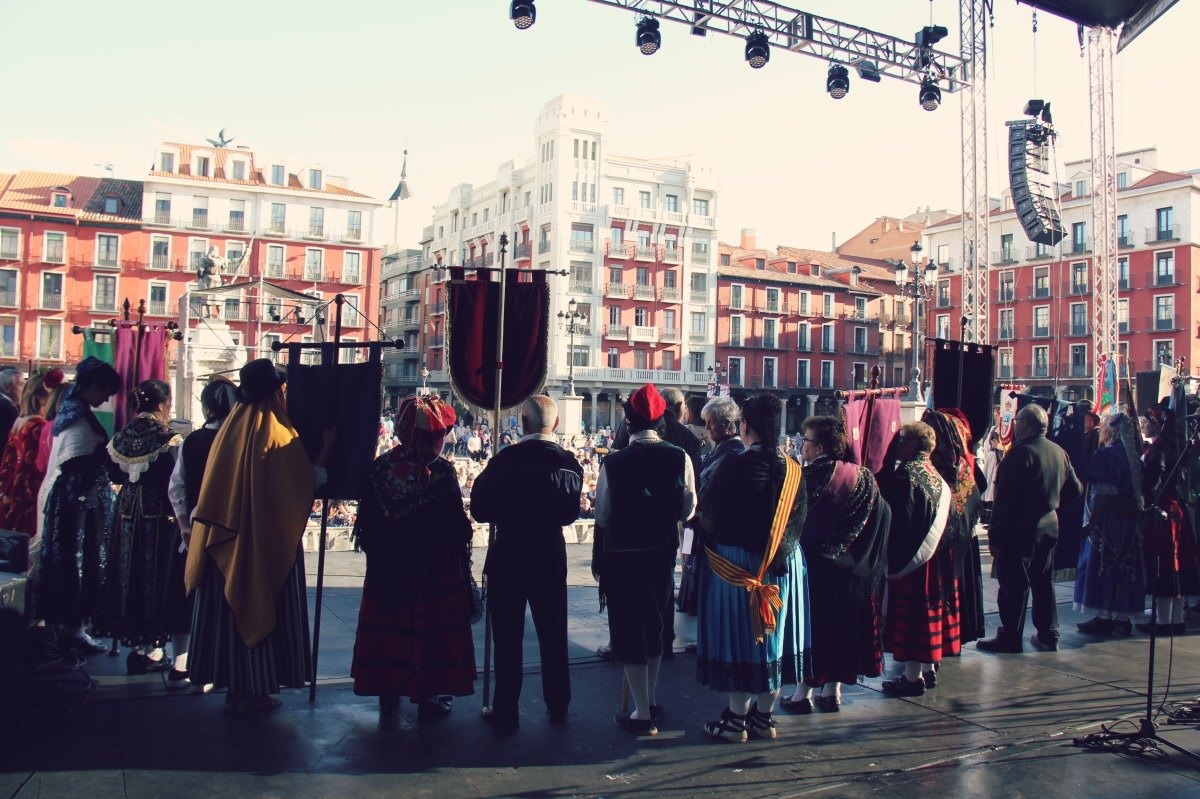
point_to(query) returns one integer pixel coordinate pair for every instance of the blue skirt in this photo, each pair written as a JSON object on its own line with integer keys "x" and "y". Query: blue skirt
{"x": 1110, "y": 577}
{"x": 727, "y": 657}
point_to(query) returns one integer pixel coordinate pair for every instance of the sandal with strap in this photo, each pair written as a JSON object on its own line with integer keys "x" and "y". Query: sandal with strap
{"x": 730, "y": 727}
{"x": 760, "y": 724}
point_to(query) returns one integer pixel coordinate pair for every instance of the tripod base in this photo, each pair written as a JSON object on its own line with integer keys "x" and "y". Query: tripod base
{"x": 1144, "y": 742}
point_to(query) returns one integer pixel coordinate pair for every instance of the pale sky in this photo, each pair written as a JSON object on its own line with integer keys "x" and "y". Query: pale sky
{"x": 350, "y": 84}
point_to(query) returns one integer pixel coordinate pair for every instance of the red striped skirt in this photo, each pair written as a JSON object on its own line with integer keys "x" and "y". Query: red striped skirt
{"x": 923, "y": 618}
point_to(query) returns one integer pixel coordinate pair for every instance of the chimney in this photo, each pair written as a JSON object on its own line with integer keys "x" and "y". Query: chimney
{"x": 887, "y": 225}
{"x": 833, "y": 241}
{"x": 749, "y": 239}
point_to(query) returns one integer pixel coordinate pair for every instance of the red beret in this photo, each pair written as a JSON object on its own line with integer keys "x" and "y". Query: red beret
{"x": 647, "y": 403}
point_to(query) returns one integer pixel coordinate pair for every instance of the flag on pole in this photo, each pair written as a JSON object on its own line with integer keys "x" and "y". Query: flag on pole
{"x": 104, "y": 351}
{"x": 1107, "y": 390}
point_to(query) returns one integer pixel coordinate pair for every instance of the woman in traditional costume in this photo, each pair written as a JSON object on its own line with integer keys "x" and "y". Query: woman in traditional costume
{"x": 217, "y": 401}
{"x": 20, "y": 474}
{"x": 136, "y": 600}
{"x": 845, "y": 551}
{"x": 1110, "y": 581}
{"x": 414, "y": 625}
{"x": 76, "y": 506}
{"x": 753, "y": 593}
{"x": 245, "y": 563}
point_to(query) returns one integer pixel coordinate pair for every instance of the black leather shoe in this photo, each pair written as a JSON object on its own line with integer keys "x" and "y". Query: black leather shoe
{"x": 999, "y": 645}
{"x": 1045, "y": 644}
{"x": 902, "y": 686}
{"x": 1096, "y": 626}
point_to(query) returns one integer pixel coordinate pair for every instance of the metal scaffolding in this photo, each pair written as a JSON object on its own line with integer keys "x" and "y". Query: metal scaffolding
{"x": 1101, "y": 47}
{"x": 975, "y": 205}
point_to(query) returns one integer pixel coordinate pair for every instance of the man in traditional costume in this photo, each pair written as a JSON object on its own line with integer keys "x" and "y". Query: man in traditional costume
{"x": 920, "y": 584}
{"x": 644, "y": 491}
{"x": 529, "y": 490}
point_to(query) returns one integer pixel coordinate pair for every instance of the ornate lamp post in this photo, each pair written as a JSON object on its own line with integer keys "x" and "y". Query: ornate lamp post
{"x": 920, "y": 288}
{"x": 574, "y": 321}
{"x": 716, "y": 377}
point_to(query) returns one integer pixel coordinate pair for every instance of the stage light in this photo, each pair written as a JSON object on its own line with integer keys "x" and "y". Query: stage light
{"x": 522, "y": 13}
{"x": 758, "y": 50}
{"x": 931, "y": 95}
{"x": 838, "y": 81}
{"x": 1034, "y": 107}
{"x": 930, "y": 35}
{"x": 867, "y": 70}
{"x": 648, "y": 37}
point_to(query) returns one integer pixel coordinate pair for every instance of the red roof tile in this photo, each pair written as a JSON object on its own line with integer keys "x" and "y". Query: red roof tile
{"x": 31, "y": 191}
{"x": 221, "y": 155}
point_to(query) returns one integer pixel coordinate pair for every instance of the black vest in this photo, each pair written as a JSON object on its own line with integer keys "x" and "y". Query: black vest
{"x": 195, "y": 458}
{"x": 645, "y": 490}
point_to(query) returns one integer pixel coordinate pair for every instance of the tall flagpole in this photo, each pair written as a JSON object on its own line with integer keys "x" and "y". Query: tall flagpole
{"x": 487, "y": 615}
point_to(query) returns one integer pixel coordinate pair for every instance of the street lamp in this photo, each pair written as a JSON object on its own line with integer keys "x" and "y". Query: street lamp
{"x": 716, "y": 374}
{"x": 573, "y": 320}
{"x": 919, "y": 288}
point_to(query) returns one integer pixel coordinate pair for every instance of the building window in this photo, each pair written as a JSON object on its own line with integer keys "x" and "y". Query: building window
{"x": 104, "y": 293}
{"x": 1080, "y": 188}
{"x": 1164, "y": 312}
{"x": 314, "y": 264}
{"x": 943, "y": 294}
{"x": 10, "y": 243}
{"x": 8, "y": 338}
{"x": 1007, "y": 251}
{"x": 942, "y": 328}
{"x": 1079, "y": 237}
{"x": 1006, "y": 363}
{"x": 274, "y": 260}
{"x": 1041, "y": 321}
{"x": 316, "y": 222}
{"x": 1123, "y": 231}
{"x": 802, "y": 373}
{"x": 769, "y": 339}
{"x": 197, "y": 252}
{"x": 1041, "y": 282}
{"x": 724, "y": 259}
{"x": 54, "y": 250}
{"x": 52, "y": 291}
{"x": 802, "y": 303}
{"x": 644, "y": 199}
{"x": 1123, "y": 274}
{"x": 237, "y": 216}
{"x": 1122, "y": 180}
{"x": 200, "y": 213}
{"x": 696, "y": 361}
{"x": 354, "y": 225}
{"x": 314, "y": 179}
{"x": 672, "y": 203}
{"x": 640, "y": 317}
{"x": 827, "y": 340}
{"x": 827, "y": 305}
{"x": 760, "y": 263}
{"x": 734, "y": 372}
{"x": 166, "y": 162}
{"x": 803, "y": 339}
{"x": 826, "y": 374}
{"x": 162, "y": 208}
{"x": 772, "y": 300}
{"x": 735, "y": 331}
{"x": 352, "y": 267}
{"x": 618, "y": 196}
{"x": 1079, "y": 277}
{"x": 700, "y": 207}
{"x": 769, "y": 370}
{"x": 203, "y": 163}
{"x": 1005, "y": 331}
{"x": 641, "y": 359}
{"x": 735, "y": 296}
{"x": 107, "y": 250}
{"x": 8, "y": 288}
{"x": 1041, "y": 362}
{"x": 1079, "y": 319}
{"x": 1007, "y": 286}
{"x": 614, "y": 358}
{"x": 860, "y": 340}
{"x": 1164, "y": 352}
{"x": 1079, "y": 362}
{"x": 50, "y": 339}
{"x": 112, "y": 205}
{"x": 157, "y": 305}
{"x": 1164, "y": 224}
{"x": 1164, "y": 268}
{"x": 239, "y": 170}
{"x": 1123, "y": 316}
{"x": 277, "y": 175}
{"x": 699, "y": 323}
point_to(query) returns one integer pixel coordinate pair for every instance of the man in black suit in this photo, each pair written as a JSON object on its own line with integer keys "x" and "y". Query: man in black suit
{"x": 1033, "y": 480}
{"x": 529, "y": 490}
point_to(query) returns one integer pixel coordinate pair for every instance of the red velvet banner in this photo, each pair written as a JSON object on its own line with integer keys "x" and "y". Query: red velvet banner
{"x": 473, "y": 314}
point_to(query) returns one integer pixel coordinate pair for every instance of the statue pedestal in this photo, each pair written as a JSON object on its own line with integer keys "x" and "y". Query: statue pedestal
{"x": 210, "y": 350}
{"x": 911, "y": 411}
{"x": 570, "y": 415}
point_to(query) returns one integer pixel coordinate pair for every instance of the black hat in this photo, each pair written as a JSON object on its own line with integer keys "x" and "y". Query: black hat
{"x": 93, "y": 370}
{"x": 259, "y": 379}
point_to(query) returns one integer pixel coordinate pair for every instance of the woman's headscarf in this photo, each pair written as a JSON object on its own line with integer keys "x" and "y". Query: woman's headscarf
{"x": 952, "y": 455}
{"x": 421, "y": 425}
{"x": 1125, "y": 433}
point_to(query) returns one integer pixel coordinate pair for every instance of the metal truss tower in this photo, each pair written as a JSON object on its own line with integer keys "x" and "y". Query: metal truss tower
{"x": 975, "y": 205}
{"x": 1102, "y": 48}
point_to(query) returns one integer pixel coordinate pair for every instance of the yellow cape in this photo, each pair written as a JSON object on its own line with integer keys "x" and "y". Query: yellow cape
{"x": 254, "y": 503}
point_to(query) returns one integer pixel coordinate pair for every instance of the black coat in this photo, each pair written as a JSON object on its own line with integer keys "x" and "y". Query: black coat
{"x": 1033, "y": 480}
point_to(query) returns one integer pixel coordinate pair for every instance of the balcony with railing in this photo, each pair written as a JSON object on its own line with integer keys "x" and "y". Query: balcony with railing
{"x": 1007, "y": 293}
{"x": 698, "y": 337}
{"x": 1161, "y": 323}
{"x": 1038, "y": 252}
{"x": 236, "y": 224}
{"x": 1075, "y": 328}
{"x": 1077, "y": 289}
{"x": 1078, "y": 247}
{"x": 314, "y": 233}
{"x": 617, "y": 291}
{"x": 700, "y": 258}
{"x": 1161, "y": 279}
{"x": 619, "y": 251}
{"x": 671, "y": 294}
{"x": 616, "y": 331}
{"x": 580, "y": 287}
{"x": 1039, "y": 371}
{"x": 1006, "y": 333}
{"x": 583, "y": 246}
{"x": 669, "y": 335}
{"x": 313, "y": 274}
{"x": 1038, "y": 331}
{"x": 646, "y": 253}
{"x": 672, "y": 255}
{"x": 644, "y": 291}
{"x": 1008, "y": 255}
{"x": 543, "y": 247}
{"x": 157, "y": 308}
{"x": 1165, "y": 233}
{"x": 1126, "y": 241}
{"x": 437, "y": 308}
{"x": 643, "y": 334}
{"x": 1080, "y": 370}
{"x": 523, "y": 251}
{"x": 804, "y": 345}
{"x": 1039, "y": 292}
{"x": 698, "y": 297}
{"x": 353, "y": 235}
{"x": 199, "y": 220}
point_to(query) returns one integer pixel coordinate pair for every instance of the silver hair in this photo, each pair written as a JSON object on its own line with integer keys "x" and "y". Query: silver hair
{"x": 539, "y": 413}
{"x": 1035, "y": 417}
{"x": 8, "y": 380}
{"x": 674, "y": 399}
{"x": 723, "y": 410}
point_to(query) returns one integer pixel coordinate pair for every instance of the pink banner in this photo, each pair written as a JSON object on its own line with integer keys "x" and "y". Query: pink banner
{"x": 125, "y": 362}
